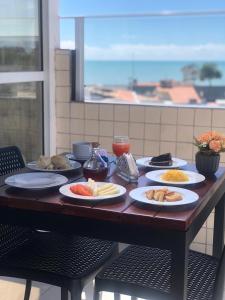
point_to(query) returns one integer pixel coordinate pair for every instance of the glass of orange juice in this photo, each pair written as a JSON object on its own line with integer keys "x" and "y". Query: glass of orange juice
{"x": 121, "y": 145}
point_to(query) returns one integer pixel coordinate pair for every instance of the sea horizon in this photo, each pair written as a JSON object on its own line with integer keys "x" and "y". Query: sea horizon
{"x": 122, "y": 72}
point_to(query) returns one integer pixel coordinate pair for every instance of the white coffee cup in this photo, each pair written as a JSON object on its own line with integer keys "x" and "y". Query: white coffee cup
{"x": 82, "y": 150}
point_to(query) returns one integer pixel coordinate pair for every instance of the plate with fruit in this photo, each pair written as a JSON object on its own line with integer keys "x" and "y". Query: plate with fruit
{"x": 92, "y": 190}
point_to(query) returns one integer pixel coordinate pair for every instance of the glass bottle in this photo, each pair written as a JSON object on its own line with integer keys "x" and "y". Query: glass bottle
{"x": 95, "y": 167}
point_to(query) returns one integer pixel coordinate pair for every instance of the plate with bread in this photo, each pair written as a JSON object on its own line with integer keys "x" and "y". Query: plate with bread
{"x": 163, "y": 161}
{"x": 55, "y": 164}
{"x": 164, "y": 195}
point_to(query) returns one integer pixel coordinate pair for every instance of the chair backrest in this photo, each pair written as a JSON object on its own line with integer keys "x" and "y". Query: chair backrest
{"x": 10, "y": 160}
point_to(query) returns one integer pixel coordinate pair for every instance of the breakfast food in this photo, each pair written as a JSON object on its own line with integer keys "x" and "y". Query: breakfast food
{"x": 91, "y": 188}
{"x": 162, "y": 160}
{"x": 55, "y": 162}
{"x": 175, "y": 176}
{"x": 163, "y": 195}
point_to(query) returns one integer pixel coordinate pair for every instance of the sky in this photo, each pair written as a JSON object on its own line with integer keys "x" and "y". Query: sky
{"x": 150, "y": 38}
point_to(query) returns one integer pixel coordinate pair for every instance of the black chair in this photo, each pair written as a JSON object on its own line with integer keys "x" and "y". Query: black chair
{"x": 145, "y": 272}
{"x": 63, "y": 260}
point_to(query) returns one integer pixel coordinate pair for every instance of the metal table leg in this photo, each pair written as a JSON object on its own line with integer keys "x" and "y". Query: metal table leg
{"x": 218, "y": 232}
{"x": 179, "y": 268}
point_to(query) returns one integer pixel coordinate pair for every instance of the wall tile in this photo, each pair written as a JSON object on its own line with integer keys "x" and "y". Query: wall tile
{"x": 168, "y": 115}
{"x": 62, "y": 62}
{"x": 185, "y": 133}
{"x": 199, "y": 130}
{"x": 121, "y": 128}
{"x": 77, "y": 110}
{"x": 137, "y": 147}
{"x": 201, "y": 236}
{"x": 106, "y": 143}
{"x": 63, "y": 110}
{"x": 209, "y": 233}
{"x": 151, "y": 148}
{"x": 63, "y": 125}
{"x": 209, "y": 249}
{"x": 91, "y": 138}
{"x": 63, "y": 140}
{"x": 137, "y": 114}
{"x": 76, "y": 138}
{"x": 167, "y": 147}
{"x": 152, "y": 132}
{"x": 62, "y": 150}
{"x": 218, "y": 118}
{"x": 121, "y": 113}
{"x": 77, "y": 126}
{"x": 136, "y": 130}
{"x": 106, "y": 112}
{"x": 106, "y": 128}
{"x": 91, "y": 111}
{"x": 62, "y": 78}
{"x": 152, "y": 114}
{"x": 184, "y": 150}
{"x": 203, "y": 117}
{"x": 186, "y": 116}
{"x": 198, "y": 247}
{"x": 91, "y": 127}
{"x": 63, "y": 94}
{"x": 168, "y": 133}
{"x": 210, "y": 221}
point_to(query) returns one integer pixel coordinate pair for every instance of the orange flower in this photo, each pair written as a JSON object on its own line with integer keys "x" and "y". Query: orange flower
{"x": 215, "y": 145}
{"x": 205, "y": 137}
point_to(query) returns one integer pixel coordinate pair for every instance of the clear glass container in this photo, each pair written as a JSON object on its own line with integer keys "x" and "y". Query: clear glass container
{"x": 95, "y": 167}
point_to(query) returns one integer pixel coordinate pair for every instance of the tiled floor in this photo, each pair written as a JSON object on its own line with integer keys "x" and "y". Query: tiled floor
{"x": 14, "y": 290}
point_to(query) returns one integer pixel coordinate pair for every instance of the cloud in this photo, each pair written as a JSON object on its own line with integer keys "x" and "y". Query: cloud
{"x": 152, "y": 52}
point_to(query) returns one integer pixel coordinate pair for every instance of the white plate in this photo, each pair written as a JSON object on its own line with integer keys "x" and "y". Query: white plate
{"x": 188, "y": 196}
{"x": 65, "y": 190}
{"x": 36, "y": 181}
{"x": 193, "y": 177}
{"x": 74, "y": 165}
{"x": 177, "y": 163}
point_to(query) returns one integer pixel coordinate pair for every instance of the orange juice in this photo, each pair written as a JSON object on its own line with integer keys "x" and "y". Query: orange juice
{"x": 120, "y": 148}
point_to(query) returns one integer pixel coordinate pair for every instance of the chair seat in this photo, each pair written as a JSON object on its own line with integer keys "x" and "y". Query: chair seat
{"x": 138, "y": 271}
{"x": 71, "y": 257}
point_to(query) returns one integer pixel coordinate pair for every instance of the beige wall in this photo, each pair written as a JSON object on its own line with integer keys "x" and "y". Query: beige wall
{"x": 152, "y": 130}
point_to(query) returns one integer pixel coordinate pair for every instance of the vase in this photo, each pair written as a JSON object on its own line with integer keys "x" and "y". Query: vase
{"x": 207, "y": 164}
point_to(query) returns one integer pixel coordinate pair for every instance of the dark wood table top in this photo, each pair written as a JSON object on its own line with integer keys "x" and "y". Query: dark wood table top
{"x": 122, "y": 211}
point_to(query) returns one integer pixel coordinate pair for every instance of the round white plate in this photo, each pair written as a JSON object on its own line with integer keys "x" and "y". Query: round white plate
{"x": 177, "y": 163}
{"x": 193, "y": 177}
{"x": 188, "y": 196}
{"x": 65, "y": 190}
{"x": 36, "y": 181}
{"x": 74, "y": 165}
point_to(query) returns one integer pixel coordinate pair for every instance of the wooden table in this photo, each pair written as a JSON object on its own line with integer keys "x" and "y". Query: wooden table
{"x": 124, "y": 220}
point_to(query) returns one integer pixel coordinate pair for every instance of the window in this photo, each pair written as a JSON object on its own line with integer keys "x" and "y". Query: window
{"x": 21, "y": 117}
{"x": 21, "y": 76}
{"x": 20, "y": 36}
{"x": 174, "y": 55}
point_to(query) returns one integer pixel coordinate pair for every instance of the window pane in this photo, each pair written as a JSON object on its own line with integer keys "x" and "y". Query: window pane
{"x": 20, "y": 37}
{"x": 161, "y": 60}
{"x": 21, "y": 119}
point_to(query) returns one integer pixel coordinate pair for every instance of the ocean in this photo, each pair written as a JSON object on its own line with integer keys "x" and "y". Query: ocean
{"x": 121, "y": 73}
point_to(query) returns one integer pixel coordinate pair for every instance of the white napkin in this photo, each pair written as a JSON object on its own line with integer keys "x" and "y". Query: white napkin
{"x": 131, "y": 164}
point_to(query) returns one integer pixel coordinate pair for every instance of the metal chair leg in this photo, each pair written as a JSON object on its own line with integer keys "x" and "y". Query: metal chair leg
{"x": 27, "y": 289}
{"x": 64, "y": 293}
{"x": 76, "y": 291}
{"x": 116, "y": 296}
